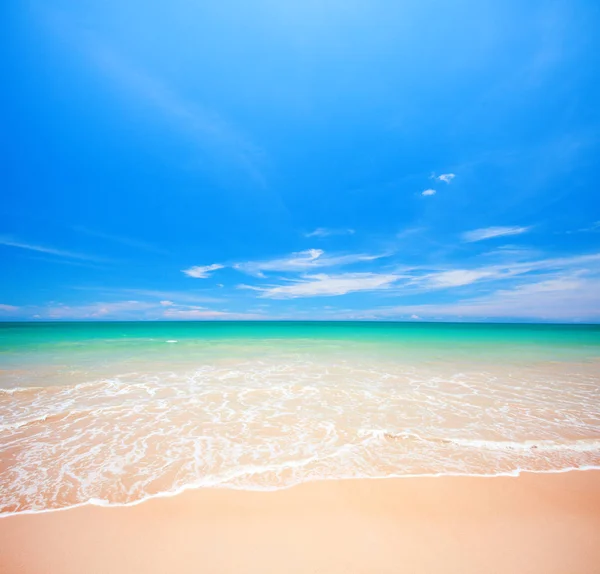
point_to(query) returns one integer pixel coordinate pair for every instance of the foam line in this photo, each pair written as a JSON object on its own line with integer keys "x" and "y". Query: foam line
{"x": 172, "y": 493}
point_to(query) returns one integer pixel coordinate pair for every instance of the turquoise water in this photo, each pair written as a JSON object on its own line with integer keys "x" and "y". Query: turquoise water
{"x": 26, "y": 343}
{"x": 19, "y": 335}
{"x": 113, "y": 413}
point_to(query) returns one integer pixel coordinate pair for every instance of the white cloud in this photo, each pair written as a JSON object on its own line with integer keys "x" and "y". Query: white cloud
{"x": 446, "y": 177}
{"x": 202, "y": 271}
{"x": 324, "y": 232}
{"x": 429, "y": 192}
{"x": 323, "y": 285}
{"x": 303, "y": 261}
{"x": 416, "y": 280}
{"x": 490, "y": 232}
{"x": 167, "y": 303}
{"x": 8, "y": 308}
{"x": 10, "y": 242}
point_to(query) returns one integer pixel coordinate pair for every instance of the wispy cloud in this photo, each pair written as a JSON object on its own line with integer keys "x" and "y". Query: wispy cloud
{"x": 568, "y": 297}
{"x": 180, "y": 296}
{"x": 131, "y": 309}
{"x": 128, "y": 241}
{"x": 207, "y": 127}
{"x": 323, "y": 285}
{"x": 8, "y": 309}
{"x": 408, "y": 232}
{"x": 450, "y": 278}
{"x": 210, "y": 128}
{"x": 325, "y": 232}
{"x": 491, "y": 232}
{"x": 446, "y": 177}
{"x": 428, "y": 192}
{"x": 459, "y": 277}
{"x": 10, "y": 242}
{"x": 303, "y": 261}
{"x": 202, "y": 271}
{"x": 100, "y": 310}
{"x": 593, "y": 228}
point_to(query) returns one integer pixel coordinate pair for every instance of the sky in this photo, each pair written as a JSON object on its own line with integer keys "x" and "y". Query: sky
{"x": 416, "y": 160}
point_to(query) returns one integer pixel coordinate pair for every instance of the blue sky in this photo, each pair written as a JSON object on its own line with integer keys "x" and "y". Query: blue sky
{"x": 330, "y": 159}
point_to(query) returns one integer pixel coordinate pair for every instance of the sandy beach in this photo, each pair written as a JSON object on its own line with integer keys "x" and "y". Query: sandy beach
{"x": 546, "y": 523}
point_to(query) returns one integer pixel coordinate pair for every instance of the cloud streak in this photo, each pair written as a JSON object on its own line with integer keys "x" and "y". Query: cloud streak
{"x": 207, "y": 126}
{"x": 128, "y": 241}
{"x": 10, "y": 242}
{"x": 325, "y": 232}
{"x": 323, "y": 285}
{"x": 304, "y": 261}
{"x": 491, "y": 232}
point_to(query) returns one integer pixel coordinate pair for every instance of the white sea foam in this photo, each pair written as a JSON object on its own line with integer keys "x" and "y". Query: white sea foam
{"x": 267, "y": 423}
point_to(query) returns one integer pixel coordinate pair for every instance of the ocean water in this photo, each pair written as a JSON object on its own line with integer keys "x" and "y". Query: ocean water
{"x": 114, "y": 413}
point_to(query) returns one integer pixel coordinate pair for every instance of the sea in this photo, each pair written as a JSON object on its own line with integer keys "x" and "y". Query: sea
{"x": 114, "y": 413}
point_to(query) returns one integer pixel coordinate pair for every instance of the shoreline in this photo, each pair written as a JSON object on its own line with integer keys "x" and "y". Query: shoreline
{"x": 97, "y": 503}
{"x": 536, "y": 522}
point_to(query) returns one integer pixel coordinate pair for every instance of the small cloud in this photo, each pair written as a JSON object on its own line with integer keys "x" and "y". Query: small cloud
{"x": 324, "y": 232}
{"x": 415, "y": 317}
{"x": 446, "y": 177}
{"x": 166, "y": 303}
{"x": 429, "y": 192}
{"x": 490, "y": 232}
{"x": 202, "y": 272}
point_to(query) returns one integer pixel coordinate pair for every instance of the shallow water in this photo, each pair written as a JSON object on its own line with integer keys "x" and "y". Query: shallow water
{"x": 117, "y": 412}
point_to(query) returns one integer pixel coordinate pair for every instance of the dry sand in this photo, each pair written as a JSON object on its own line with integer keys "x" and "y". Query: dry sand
{"x": 546, "y": 523}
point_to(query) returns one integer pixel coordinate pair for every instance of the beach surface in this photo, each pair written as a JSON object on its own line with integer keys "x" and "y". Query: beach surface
{"x": 546, "y": 523}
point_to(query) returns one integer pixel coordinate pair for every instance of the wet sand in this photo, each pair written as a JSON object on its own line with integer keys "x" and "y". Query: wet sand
{"x": 536, "y": 523}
